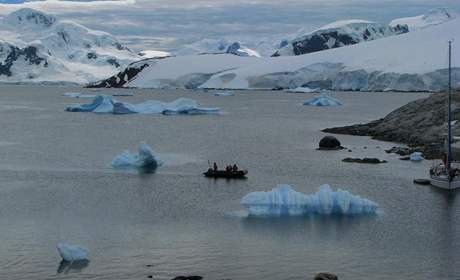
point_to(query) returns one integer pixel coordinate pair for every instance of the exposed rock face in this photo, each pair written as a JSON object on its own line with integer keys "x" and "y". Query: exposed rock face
{"x": 420, "y": 123}
{"x": 120, "y": 79}
{"x": 330, "y": 143}
{"x": 13, "y": 54}
{"x": 339, "y": 34}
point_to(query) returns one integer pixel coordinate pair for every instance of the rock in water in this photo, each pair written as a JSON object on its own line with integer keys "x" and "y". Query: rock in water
{"x": 364, "y": 160}
{"x": 188, "y": 278}
{"x": 72, "y": 253}
{"x": 326, "y": 276}
{"x": 330, "y": 143}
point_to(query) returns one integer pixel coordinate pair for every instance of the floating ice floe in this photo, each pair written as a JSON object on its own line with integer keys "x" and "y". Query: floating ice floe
{"x": 224, "y": 93}
{"x": 284, "y": 201}
{"x": 123, "y": 94}
{"x": 72, "y": 253}
{"x": 78, "y": 95}
{"x": 107, "y": 104}
{"x": 145, "y": 158}
{"x": 303, "y": 90}
{"x": 323, "y": 100}
{"x": 416, "y": 156}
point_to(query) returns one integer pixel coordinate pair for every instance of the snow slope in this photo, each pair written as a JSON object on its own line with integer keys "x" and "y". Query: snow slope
{"x": 415, "y": 61}
{"x": 37, "y": 47}
{"x": 338, "y": 34}
{"x": 216, "y": 46}
{"x": 433, "y": 17}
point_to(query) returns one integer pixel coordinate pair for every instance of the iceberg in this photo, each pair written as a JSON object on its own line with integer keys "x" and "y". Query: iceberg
{"x": 303, "y": 90}
{"x": 107, "y": 104}
{"x": 416, "y": 156}
{"x": 323, "y": 100}
{"x": 145, "y": 158}
{"x": 285, "y": 201}
{"x": 100, "y": 104}
{"x": 224, "y": 93}
{"x": 78, "y": 95}
{"x": 72, "y": 253}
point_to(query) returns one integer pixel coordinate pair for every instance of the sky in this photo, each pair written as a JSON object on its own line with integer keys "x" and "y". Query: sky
{"x": 168, "y": 24}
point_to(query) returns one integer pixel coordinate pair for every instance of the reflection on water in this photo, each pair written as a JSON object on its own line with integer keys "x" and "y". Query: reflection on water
{"x": 66, "y": 267}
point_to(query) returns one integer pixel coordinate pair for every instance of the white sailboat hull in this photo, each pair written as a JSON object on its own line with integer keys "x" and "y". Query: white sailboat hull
{"x": 444, "y": 183}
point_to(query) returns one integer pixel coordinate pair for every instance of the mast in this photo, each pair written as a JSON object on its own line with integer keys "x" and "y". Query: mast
{"x": 449, "y": 116}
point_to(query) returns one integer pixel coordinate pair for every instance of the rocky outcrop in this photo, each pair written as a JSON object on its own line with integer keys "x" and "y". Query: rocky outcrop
{"x": 120, "y": 79}
{"x": 326, "y": 276}
{"x": 330, "y": 143}
{"x": 339, "y": 34}
{"x": 421, "y": 123}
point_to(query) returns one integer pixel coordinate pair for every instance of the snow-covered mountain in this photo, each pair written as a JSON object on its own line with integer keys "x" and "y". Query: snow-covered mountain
{"x": 414, "y": 61}
{"x": 433, "y": 17}
{"x": 338, "y": 34}
{"x": 37, "y": 47}
{"x": 216, "y": 46}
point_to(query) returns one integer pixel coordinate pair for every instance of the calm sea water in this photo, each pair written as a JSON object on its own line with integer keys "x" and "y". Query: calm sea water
{"x": 57, "y": 185}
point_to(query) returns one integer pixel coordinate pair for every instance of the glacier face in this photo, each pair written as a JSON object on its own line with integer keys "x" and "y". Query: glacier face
{"x": 285, "y": 201}
{"x": 72, "y": 253}
{"x": 339, "y": 34}
{"x": 37, "y": 47}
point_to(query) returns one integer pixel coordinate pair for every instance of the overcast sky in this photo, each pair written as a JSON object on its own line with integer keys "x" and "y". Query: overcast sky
{"x": 163, "y": 24}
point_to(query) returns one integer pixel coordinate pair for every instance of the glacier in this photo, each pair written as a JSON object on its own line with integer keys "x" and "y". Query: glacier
{"x": 107, "y": 104}
{"x": 323, "y": 100}
{"x": 413, "y": 61}
{"x": 145, "y": 158}
{"x": 285, "y": 201}
{"x": 432, "y": 17}
{"x": 72, "y": 253}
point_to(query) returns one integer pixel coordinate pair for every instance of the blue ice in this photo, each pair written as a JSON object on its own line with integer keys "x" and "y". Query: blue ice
{"x": 323, "y": 100}
{"x": 285, "y": 201}
{"x": 145, "y": 158}
{"x": 72, "y": 253}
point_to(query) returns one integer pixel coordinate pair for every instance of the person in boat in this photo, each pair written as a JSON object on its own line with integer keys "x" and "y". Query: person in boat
{"x": 235, "y": 168}
{"x": 228, "y": 168}
{"x": 215, "y": 166}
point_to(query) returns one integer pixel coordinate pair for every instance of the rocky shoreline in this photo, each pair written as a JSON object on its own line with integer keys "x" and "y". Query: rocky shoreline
{"x": 420, "y": 124}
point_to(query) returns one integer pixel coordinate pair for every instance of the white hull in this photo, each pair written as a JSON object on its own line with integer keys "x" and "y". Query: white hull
{"x": 443, "y": 182}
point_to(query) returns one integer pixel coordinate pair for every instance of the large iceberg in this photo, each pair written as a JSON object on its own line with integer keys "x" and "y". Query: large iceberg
{"x": 323, "y": 100}
{"x": 284, "y": 201}
{"x": 107, "y": 104}
{"x": 145, "y": 158}
{"x": 72, "y": 253}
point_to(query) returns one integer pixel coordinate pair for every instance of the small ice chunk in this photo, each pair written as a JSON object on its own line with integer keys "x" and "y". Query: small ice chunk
{"x": 78, "y": 95}
{"x": 323, "y": 100}
{"x": 224, "y": 93}
{"x": 72, "y": 253}
{"x": 145, "y": 158}
{"x": 416, "y": 156}
{"x": 123, "y": 94}
{"x": 303, "y": 90}
{"x": 285, "y": 201}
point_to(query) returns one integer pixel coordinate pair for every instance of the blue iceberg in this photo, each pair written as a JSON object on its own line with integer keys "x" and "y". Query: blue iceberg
{"x": 145, "y": 158}
{"x": 107, "y": 104}
{"x": 285, "y": 201}
{"x": 323, "y": 100}
{"x": 72, "y": 253}
{"x": 416, "y": 156}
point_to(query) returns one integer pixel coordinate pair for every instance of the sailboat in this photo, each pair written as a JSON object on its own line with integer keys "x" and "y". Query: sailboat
{"x": 447, "y": 174}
